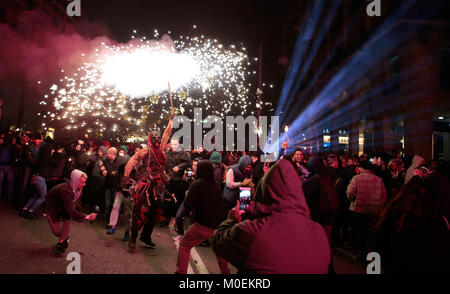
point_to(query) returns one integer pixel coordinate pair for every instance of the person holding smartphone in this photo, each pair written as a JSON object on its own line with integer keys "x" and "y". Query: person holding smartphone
{"x": 205, "y": 201}
{"x": 275, "y": 234}
{"x": 239, "y": 175}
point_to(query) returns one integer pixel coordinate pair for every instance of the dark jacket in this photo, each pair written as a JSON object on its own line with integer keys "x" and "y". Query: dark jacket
{"x": 61, "y": 200}
{"x": 97, "y": 164}
{"x": 204, "y": 198}
{"x": 232, "y": 195}
{"x": 277, "y": 236}
{"x": 202, "y": 155}
{"x": 414, "y": 234}
{"x": 58, "y": 163}
{"x": 219, "y": 172}
{"x": 115, "y": 169}
{"x": 45, "y": 161}
{"x": 317, "y": 188}
{"x": 176, "y": 159}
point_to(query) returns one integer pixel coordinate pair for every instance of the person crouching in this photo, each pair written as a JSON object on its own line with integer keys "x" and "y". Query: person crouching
{"x": 61, "y": 203}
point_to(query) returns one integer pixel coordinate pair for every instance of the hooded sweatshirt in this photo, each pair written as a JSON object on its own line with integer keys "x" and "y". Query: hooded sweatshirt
{"x": 204, "y": 197}
{"x": 231, "y": 193}
{"x": 277, "y": 235}
{"x": 416, "y": 162}
{"x": 96, "y": 170}
{"x": 61, "y": 200}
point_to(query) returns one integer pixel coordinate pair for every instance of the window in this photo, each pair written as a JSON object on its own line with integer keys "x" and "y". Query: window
{"x": 392, "y": 83}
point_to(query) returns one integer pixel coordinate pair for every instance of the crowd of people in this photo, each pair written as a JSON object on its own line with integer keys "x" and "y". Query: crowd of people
{"x": 303, "y": 206}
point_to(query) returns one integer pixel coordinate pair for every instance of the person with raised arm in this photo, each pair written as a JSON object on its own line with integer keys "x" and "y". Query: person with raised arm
{"x": 148, "y": 190}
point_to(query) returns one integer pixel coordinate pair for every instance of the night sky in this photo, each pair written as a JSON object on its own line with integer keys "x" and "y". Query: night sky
{"x": 232, "y": 22}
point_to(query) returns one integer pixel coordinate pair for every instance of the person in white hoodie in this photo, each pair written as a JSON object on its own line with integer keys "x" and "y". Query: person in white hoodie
{"x": 61, "y": 203}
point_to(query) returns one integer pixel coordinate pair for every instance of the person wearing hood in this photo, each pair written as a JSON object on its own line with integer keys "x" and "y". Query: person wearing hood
{"x": 321, "y": 195}
{"x": 208, "y": 209}
{"x": 239, "y": 175}
{"x": 219, "y": 167}
{"x": 417, "y": 162}
{"x": 97, "y": 186}
{"x": 61, "y": 203}
{"x": 124, "y": 152}
{"x": 277, "y": 235}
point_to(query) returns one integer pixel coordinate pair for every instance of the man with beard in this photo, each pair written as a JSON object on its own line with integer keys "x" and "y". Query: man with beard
{"x": 147, "y": 191}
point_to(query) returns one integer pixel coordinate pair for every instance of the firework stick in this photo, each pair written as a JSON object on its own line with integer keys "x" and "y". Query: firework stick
{"x": 170, "y": 95}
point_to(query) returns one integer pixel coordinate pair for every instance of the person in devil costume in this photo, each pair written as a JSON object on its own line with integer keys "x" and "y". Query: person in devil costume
{"x": 149, "y": 188}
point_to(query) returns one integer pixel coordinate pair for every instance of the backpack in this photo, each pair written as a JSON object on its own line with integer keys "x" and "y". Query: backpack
{"x": 329, "y": 201}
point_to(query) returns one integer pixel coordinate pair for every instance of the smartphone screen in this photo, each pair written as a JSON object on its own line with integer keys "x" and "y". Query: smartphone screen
{"x": 244, "y": 197}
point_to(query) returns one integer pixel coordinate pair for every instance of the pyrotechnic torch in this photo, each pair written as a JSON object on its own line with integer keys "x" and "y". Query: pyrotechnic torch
{"x": 286, "y": 140}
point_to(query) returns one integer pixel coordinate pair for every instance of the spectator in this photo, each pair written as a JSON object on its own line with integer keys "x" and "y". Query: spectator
{"x": 177, "y": 162}
{"x": 297, "y": 161}
{"x": 367, "y": 196}
{"x": 190, "y": 175}
{"x": 417, "y": 162}
{"x": 112, "y": 165}
{"x": 206, "y": 202}
{"x": 199, "y": 152}
{"x": 42, "y": 185}
{"x": 30, "y": 160}
{"x": 124, "y": 152}
{"x": 6, "y": 167}
{"x": 412, "y": 236}
{"x": 321, "y": 195}
{"x": 57, "y": 163}
{"x": 258, "y": 167}
{"x": 61, "y": 201}
{"x": 342, "y": 220}
{"x": 239, "y": 175}
{"x": 219, "y": 168}
{"x": 97, "y": 186}
{"x": 332, "y": 167}
{"x": 277, "y": 235}
{"x": 396, "y": 178}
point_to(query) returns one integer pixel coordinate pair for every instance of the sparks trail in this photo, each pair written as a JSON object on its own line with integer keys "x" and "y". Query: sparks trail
{"x": 123, "y": 88}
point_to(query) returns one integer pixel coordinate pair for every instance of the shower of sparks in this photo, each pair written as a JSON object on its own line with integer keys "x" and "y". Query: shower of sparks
{"x": 123, "y": 88}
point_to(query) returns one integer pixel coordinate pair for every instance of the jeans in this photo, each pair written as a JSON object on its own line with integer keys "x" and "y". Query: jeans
{"x": 39, "y": 197}
{"x": 169, "y": 208}
{"x": 110, "y": 196}
{"x": 182, "y": 212}
{"x": 7, "y": 170}
{"x": 57, "y": 230}
{"x": 20, "y": 198}
{"x": 125, "y": 203}
{"x": 361, "y": 225}
{"x": 194, "y": 236}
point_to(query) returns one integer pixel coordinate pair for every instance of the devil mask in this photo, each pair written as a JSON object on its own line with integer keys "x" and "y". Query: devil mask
{"x": 154, "y": 137}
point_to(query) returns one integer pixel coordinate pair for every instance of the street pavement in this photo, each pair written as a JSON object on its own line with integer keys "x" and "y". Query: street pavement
{"x": 26, "y": 247}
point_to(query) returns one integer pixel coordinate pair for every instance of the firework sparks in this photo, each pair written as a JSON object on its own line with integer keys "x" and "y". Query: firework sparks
{"x": 123, "y": 88}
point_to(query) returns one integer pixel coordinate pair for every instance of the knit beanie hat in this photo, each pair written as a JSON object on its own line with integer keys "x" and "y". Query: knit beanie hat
{"x": 215, "y": 157}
